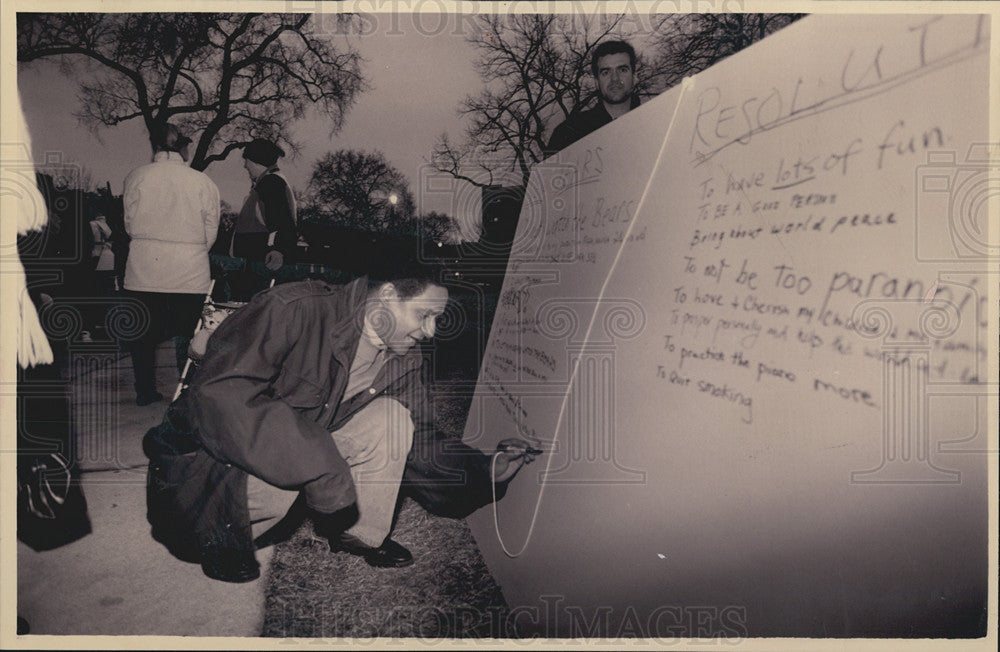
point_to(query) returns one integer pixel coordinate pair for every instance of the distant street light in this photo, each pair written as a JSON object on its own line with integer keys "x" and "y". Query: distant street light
{"x": 393, "y": 199}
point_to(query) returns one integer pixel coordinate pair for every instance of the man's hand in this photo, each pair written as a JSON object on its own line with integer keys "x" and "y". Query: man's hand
{"x": 273, "y": 260}
{"x": 512, "y": 454}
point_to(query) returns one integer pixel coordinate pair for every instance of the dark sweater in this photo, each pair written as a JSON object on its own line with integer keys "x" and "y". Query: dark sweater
{"x": 578, "y": 125}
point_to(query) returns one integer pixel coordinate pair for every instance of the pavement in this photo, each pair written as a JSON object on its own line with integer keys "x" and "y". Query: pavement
{"x": 118, "y": 580}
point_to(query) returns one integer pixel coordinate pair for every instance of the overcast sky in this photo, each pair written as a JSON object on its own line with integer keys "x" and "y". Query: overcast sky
{"x": 419, "y": 73}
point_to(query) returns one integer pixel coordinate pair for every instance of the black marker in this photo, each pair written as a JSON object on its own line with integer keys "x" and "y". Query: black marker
{"x": 523, "y": 450}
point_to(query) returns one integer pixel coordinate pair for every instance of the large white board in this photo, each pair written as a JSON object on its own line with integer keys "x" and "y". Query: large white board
{"x": 747, "y": 322}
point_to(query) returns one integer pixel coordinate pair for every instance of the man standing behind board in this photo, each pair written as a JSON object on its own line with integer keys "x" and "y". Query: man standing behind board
{"x": 613, "y": 66}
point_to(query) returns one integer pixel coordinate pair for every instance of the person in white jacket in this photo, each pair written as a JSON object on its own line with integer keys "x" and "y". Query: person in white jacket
{"x": 172, "y": 218}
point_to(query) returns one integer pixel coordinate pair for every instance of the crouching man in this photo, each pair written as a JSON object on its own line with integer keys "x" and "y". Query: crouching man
{"x": 313, "y": 390}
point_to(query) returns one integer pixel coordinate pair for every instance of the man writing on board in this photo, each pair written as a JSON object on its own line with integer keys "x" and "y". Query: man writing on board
{"x": 314, "y": 390}
{"x": 613, "y": 66}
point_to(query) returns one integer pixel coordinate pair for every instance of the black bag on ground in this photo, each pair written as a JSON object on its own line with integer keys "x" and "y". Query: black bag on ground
{"x": 51, "y": 509}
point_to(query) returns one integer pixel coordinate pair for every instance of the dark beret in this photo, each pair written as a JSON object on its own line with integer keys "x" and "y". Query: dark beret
{"x": 263, "y": 152}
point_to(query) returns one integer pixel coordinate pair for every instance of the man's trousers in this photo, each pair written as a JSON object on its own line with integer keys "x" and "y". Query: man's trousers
{"x": 375, "y": 443}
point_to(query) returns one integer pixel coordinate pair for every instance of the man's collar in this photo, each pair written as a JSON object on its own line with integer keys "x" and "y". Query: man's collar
{"x": 271, "y": 170}
{"x": 348, "y": 331}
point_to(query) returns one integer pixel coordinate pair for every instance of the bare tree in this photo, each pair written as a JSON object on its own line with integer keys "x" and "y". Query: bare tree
{"x": 229, "y": 77}
{"x": 686, "y": 44}
{"x": 536, "y": 71}
{"x": 438, "y": 227}
{"x": 360, "y": 190}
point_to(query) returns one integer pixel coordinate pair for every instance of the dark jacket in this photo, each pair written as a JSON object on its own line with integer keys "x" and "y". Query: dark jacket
{"x": 267, "y": 220}
{"x": 263, "y": 401}
{"x": 578, "y": 125}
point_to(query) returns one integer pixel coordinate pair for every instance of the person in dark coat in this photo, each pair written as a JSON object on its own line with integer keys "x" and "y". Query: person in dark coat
{"x": 265, "y": 230}
{"x": 312, "y": 390}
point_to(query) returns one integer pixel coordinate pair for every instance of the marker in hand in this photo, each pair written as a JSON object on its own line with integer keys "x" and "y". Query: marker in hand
{"x": 521, "y": 448}
{"x": 511, "y": 455}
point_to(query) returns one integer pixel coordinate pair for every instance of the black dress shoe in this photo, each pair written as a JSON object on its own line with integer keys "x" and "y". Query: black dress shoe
{"x": 388, "y": 555}
{"x": 229, "y": 565}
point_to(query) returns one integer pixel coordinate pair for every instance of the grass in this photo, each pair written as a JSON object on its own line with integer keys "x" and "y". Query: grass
{"x": 447, "y": 593}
